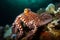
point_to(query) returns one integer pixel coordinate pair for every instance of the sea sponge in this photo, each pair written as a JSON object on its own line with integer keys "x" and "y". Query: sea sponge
{"x": 50, "y": 8}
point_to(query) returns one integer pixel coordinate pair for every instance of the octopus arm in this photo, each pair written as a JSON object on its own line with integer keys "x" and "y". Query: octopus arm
{"x": 31, "y": 33}
{"x": 17, "y": 27}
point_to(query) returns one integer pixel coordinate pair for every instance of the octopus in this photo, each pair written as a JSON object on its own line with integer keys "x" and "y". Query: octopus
{"x": 32, "y": 20}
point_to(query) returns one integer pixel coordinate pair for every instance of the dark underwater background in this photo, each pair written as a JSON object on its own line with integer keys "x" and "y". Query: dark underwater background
{"x": 9, "y": 9}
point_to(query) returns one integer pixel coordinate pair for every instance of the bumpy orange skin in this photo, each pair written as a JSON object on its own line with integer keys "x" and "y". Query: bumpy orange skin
{"x": 32, "y": 21}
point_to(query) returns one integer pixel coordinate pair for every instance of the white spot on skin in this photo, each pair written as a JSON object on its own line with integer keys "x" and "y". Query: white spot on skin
{"x": 16, "y": 22}
{"x": 20, "y": 27}
{"x": 31, "y": 22}
{"x": 20, "y": 15}
{"x": 26, "y": 23}
{"x": 21, "y": 32}
{"x": 36, "y": 17}
{"x": 21, "y": 18}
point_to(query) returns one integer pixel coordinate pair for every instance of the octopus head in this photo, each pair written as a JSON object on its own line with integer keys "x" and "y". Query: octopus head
{"x": 26, "y": 10}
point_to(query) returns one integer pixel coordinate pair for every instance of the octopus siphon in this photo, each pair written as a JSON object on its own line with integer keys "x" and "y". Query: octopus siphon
{"x": 31, "y": 20}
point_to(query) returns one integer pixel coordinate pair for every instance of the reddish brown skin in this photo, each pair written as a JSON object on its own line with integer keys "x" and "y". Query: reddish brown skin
{"x": 32, "y": 21}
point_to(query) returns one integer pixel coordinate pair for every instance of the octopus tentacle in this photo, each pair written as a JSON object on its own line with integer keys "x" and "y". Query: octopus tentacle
{"x": 31, "y": 33}
{"x": 17, "y": 27}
